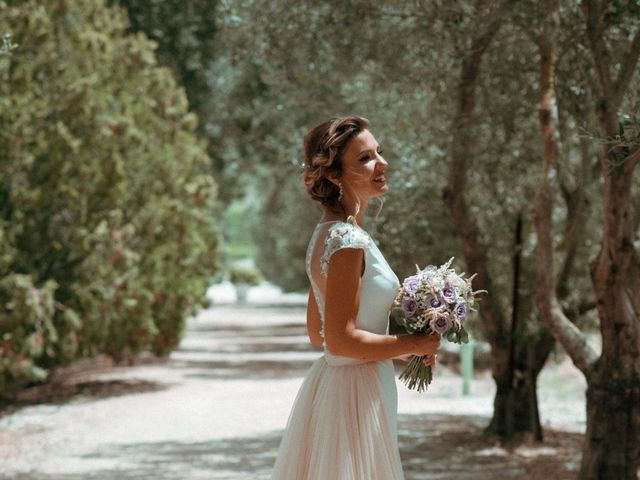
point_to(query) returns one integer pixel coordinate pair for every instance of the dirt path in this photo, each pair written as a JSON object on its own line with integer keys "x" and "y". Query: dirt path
{"x": 216, "y": 409}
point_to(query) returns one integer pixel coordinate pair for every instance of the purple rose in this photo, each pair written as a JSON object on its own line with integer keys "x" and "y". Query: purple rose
{"x": 461, "y": 310}
{"x": 409, "y": 306}
{"x": 411, "y": 284}
{"x": 433, "y": 301}
{"x": 449, "y": 294}
{"x": 441, "y": 323}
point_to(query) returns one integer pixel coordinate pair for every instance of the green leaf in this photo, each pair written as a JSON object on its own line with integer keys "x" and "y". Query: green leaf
{"x": 72, "y": 319}
{"x": 38, "y": 373}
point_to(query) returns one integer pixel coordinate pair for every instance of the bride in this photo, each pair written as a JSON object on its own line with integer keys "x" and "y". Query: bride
{"x": 343, "y": 422}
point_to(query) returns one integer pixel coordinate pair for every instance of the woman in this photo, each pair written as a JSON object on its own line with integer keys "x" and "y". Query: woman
{"x": 343, "y": 422}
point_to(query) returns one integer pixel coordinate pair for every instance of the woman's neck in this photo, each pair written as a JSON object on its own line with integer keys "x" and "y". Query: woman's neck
{"x": 330, "y": 216}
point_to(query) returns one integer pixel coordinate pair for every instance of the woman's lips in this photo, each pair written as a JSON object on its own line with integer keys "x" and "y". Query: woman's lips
{"x": 380, "y": 179}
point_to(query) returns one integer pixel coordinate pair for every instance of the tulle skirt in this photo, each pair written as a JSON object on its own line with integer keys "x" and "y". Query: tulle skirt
{"x": 343, "y": 424}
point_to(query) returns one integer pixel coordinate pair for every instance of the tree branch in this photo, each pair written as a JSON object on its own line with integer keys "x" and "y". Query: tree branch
{"x": 598, "y": 47}
{"x": 572, "y": 339}
{"x": 628, "y": 65}
{"x": 576, "y": 219}
{"x": 634, "y": 158}
{"x": 586, "y": 306}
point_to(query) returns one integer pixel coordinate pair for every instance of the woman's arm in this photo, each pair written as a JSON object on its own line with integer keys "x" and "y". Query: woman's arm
{"x": 341, "y": 308}
{"x": 313, "y": 320}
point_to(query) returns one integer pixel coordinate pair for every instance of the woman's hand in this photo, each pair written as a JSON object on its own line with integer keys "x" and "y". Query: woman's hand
{"x": 405, "y": 358}
{"x": 429, "y": 360}
{"x": 425, "y": 343}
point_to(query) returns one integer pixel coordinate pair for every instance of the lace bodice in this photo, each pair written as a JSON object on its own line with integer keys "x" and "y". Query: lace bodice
{"x": 342, "y": 235}
{"x": 379, "y": 282}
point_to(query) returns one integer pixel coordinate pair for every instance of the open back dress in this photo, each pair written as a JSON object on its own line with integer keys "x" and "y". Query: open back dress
{"x": 343, "y": 423}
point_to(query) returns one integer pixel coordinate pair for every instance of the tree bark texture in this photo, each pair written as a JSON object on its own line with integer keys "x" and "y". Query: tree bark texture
{"x": 516, "y": 410}
{"x": 612, "y": 447}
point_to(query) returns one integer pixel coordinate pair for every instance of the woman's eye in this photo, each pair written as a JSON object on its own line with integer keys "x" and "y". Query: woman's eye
{"x": 366, "y": 158}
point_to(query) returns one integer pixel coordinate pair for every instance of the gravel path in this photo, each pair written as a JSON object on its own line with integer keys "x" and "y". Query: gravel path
{"x": 216, "y": 409}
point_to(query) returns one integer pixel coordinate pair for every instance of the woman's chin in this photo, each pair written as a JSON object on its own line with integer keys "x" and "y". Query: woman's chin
{"x": 381, "y": 190}
{"x": 368, "y": 194}
{"x": 384, "y": 188}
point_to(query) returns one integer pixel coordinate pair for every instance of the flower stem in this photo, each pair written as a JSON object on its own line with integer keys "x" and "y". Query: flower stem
{"x": 417, "y": 375}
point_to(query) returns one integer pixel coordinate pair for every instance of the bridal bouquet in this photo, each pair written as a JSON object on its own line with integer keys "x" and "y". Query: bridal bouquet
{"x": 435, "y": 299}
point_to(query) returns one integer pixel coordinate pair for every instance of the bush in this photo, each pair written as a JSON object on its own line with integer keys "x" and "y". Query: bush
{"x": 107, "y": 237}
{"x": 249, "y": 276}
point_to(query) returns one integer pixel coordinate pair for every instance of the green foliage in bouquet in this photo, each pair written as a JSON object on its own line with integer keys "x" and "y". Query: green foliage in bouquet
{"x": 107, "y": 239}
{"x": 248, "y": 276}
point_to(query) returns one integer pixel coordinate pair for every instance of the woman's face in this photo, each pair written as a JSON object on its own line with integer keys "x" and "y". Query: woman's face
{"x": 363, "y": 167}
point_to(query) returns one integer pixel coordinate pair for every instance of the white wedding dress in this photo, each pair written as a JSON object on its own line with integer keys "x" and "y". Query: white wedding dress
{"x": 343, "y": 422}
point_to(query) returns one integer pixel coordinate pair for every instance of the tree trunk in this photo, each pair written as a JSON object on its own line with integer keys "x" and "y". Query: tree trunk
{"x": 542, "y": 209}
{"x": 613, "y": 423}
{"x": 515, "y": 405}
{"x": 612, "y": 446}
{"x": 516, "y": 409}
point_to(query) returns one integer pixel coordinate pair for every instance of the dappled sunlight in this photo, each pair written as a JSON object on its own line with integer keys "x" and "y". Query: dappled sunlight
{"x": 218, "y": 405}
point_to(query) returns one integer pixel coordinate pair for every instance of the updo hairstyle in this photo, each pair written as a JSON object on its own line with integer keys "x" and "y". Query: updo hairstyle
{"x": 324, "y": 146}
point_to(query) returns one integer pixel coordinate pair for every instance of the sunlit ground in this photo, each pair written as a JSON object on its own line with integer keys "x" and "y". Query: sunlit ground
{"x": 217, "y": 407}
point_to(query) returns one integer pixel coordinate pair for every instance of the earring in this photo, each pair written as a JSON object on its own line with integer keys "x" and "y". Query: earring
{"x": 340, "y": 194}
